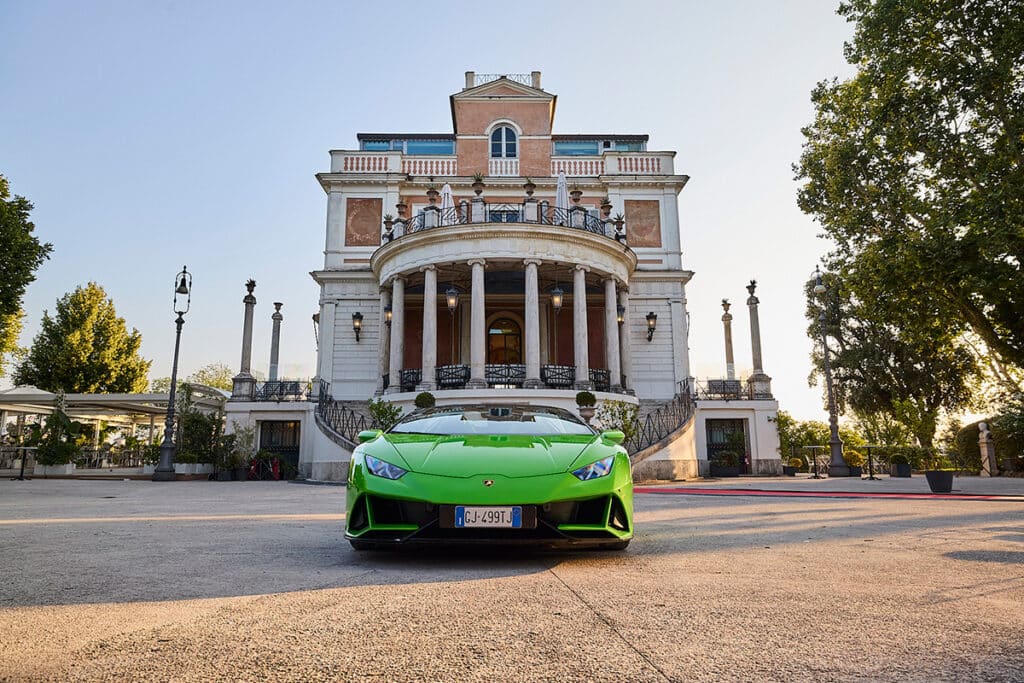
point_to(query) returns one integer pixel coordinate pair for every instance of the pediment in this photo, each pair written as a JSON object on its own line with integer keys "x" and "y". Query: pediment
{"x": 502, "y": 87}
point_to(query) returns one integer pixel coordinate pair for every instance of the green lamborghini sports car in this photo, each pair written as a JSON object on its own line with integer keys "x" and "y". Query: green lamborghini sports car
{"x": 503, "y": 474}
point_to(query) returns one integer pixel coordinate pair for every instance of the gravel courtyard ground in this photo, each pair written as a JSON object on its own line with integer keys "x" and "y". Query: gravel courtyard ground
{"x": 190, "y": 581}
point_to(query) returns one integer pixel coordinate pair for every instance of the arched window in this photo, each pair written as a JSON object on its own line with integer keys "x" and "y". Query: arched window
{"x": 503, "y": 143}
{"x": 504, "y": 342}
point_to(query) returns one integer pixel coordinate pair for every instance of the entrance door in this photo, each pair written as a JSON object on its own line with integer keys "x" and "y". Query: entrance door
{"x": 504, "y": 342}
{"x": 281, "y": 437}
{"x": 728, "y": 443}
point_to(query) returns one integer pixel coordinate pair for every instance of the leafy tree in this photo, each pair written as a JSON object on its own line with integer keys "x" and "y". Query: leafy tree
{"x": 384, "y": 414}
{"x": 915, "y": 166}
{"x": 902, "y": 362}
{"x": 84, "y": 348}
{"x": 56, "y": 439}
{"x": 216, "y": 375}
{"x": 161, "y": 385}
{"x": 20, "y": 256}
{"x": 881, "y": 429}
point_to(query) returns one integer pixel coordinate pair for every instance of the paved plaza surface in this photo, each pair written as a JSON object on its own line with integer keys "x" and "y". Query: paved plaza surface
{"x": 190, "y": 581}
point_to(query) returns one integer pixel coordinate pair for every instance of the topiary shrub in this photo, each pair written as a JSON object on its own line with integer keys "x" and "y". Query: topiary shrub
{"x": 798, "y": 463}
{"x": 585, "y": 399}
{"x": 853, "y": 458}
{"x": 425, "y": 399}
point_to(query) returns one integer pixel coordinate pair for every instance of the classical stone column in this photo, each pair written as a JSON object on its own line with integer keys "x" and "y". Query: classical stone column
{"x": 760, "y": 383}
{"x": 611, "y": 335}
{"x": 383, "y": 342}
{"x": 531, "y": 317}
{"x": 429, "y": 328}
{"x": 275, "y": 341}
{"x": 579, "y": 327}
{"x": 625, "y": 346}
{"x": 325, "y": 369}
{"x": 244, "y": 383}
{"x": 397, "y": 335}
{"x": 478, "y": 328}
{"x": 730, "y": 365}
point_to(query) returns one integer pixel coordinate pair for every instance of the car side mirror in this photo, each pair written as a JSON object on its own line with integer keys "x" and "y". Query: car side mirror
{"x": 369, "y": 435}
{"x": 613, "y": 436}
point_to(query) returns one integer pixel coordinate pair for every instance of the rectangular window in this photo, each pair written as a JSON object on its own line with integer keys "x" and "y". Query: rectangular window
{"x": 576, "y": 148}
{"x": 629, "y": 146}
{"x": 430, "y": 147}
{"x": 376, "y": 145}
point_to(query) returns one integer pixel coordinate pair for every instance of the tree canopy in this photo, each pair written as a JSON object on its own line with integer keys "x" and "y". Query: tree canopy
{"x": 84, "y": 348}
{"x": 21, "y": 254}
{"x": 914, "y": 166}
{"x": 216, "y": 375}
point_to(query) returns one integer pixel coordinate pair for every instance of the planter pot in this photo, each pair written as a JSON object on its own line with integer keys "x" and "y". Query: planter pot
{"x": 789, "y": 471}
{"x": 225, "y": 475}
{"x": 856, "y": 471}
{"x": 724, "y": 470}
{"x": 148, "y": 469}
{"x": 900, "y": 469}
{"x": 241, "y": 473}
{"x": 587, "y": 413}
{"x": 54, "y": 470}
{"x": 204, "y": 468}
{"x": 940, "y": 481}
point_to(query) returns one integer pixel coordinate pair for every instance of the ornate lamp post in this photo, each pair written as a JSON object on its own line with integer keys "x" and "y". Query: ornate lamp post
{"x": 837, "y": 465}
{"x": 182, "y": 300}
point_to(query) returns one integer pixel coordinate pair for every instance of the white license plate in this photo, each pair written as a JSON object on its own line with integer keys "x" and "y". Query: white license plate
{"x": 509, "y": 517}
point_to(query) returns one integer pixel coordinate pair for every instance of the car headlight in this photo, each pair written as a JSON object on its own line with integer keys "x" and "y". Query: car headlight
{"x": 601, "y": 468}
{"x": 382, "y": 468}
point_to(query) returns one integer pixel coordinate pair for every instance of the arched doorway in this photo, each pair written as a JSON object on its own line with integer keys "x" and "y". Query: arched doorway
{"x": 504, "y": 342}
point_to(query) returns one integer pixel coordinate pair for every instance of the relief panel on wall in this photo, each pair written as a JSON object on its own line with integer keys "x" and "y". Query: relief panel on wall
{"x": 363, "y": 222}
{"x": 643, "y": 222}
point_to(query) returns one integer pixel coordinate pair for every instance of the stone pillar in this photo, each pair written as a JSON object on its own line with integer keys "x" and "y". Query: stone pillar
{"x": 152, "y": 430}
{"x": 429, "y": 329}
{"x": 760, "y": 384}
{"x": 611, "y": 335}
{"x": 275, "y": 341}
{"x": 989, "y": 466}
{"x": 580, "y": 347}
{"x": 625, "y": 345}
{"x": 531, "y": 318}
{"x": 383, "y": 342}
{"x": 478, "y": 328}
{"x": 325, "y": 369}
{"x": 397, "y": 335}
{"x": 243, "y": 384}
{"x": 730, "y": 365}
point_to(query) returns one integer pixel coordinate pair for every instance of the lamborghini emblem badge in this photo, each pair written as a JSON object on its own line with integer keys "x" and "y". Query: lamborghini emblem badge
{"x": 488, "y": 482}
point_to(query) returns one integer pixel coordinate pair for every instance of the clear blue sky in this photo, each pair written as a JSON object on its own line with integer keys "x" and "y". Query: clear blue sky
{"x": 155, "y": 134}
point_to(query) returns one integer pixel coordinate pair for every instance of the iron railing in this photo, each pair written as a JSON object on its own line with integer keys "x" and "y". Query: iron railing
{"x": 558, "y": 376}
{"x": 501, "y": 212}
{"x": 342, "y": 420}
{"x": 410, "y": 378}
{"x": 504, "y": 375}
{"x": 728, "y": 390}
{"x": 288, "y": 390}
{"x": 452, "y": 376}
{"x": 601, "y": 379}
{"x": 660, "y": 423}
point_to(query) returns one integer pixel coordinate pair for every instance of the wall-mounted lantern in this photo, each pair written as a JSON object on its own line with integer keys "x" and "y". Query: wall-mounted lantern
{"x": 620, "y": 314}
{"x": 652, "y": 323}
{"x": 387, "y": 315}
{"x": 357, "y": 323}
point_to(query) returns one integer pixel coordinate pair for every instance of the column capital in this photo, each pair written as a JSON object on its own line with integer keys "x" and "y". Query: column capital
{"x": 532, "y": 261}
{"x": 474, "y": 261}
{"x": 424, "y": 269}
{"x": 580, "y": 266}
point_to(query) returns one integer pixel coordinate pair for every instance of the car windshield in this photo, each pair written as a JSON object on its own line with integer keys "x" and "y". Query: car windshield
{"x": 460, "y": 420}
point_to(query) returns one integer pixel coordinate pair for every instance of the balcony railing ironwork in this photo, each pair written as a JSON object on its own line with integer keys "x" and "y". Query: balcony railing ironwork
{"x": 600, "y": 379}
{"x": 660, "y": 423}
{"x": 730, "y": 390}
{"x": 410, "y": 378}
{"x": 339, "y": 418}
{"x": 288, "y": 390}
{"x": 558, "y": 376}
{"x": 452, "y": 376}
{"x": 540, "y": 213}
{"x": 504, "y": 376}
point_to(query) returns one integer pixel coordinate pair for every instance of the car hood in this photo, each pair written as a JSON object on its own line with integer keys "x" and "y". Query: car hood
{"x": 472, "y": 455}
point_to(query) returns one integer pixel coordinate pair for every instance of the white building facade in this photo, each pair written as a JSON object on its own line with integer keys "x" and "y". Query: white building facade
{"x": 502, "y": 290}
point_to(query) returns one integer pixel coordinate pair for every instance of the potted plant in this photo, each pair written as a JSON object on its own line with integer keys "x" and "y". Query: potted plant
{"x": 939, "y": 474}
{"x": 899, "y": 465}
{"x": 478, "y": 184}
{"x": 425, "y": 399}
{"x": 56, "y": 443}
{"x": 724, "y": 464}
{"x": 530, "y": 187}
{"x": 855, "y": 460}
{"x": 586, "y": 401}
{"x": 792, "y": 467}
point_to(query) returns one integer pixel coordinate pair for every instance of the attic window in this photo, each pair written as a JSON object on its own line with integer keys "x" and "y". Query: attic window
{"x": 503, "y": 143}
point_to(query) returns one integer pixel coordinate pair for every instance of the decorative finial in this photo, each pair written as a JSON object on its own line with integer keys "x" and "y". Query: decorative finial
{"x": 751, "y": 287}
{"x": 726, "y": 305}
{"x": 250, "y": 284}
{"x": 278, "y": 305}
